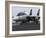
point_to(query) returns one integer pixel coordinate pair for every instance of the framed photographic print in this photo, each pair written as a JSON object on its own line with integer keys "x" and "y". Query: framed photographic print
{"x": 24, "y": 18}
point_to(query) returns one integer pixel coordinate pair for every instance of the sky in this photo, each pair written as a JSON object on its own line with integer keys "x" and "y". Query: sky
{"x": 17, "y": 9}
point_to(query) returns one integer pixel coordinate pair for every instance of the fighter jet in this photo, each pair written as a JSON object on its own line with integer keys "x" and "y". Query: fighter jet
{"x": 23, "y": 18}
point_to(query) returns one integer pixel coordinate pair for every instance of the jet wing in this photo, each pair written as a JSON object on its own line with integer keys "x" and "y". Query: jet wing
{"x": 33, "y": 18}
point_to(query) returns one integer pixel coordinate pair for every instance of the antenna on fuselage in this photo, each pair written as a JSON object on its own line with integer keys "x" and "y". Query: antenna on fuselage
{"x": 31, "y": 12}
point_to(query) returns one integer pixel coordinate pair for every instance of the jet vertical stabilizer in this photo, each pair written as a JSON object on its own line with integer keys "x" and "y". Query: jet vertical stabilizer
{"x": 31, "y": 12}
{"x": 38, "y": 12}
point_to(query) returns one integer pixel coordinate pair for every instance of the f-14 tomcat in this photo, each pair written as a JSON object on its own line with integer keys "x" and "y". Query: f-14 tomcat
{"x": 23, "y": 18}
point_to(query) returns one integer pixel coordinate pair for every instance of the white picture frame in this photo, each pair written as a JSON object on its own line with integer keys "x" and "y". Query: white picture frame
{"x": 8, "y": 14}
